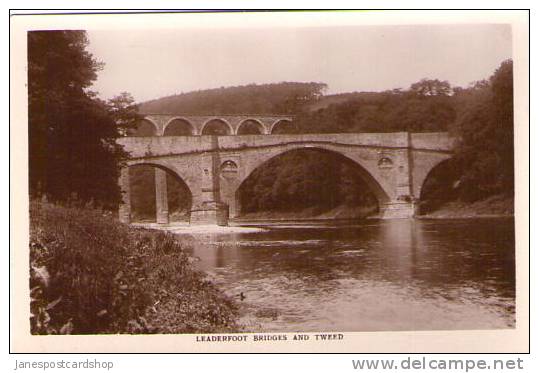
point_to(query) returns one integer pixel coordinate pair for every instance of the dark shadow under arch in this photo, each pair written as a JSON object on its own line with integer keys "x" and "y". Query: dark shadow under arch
{"x": 283, "y": 127}
{"x": 179, "y": 127}
{"x": 250, "y": 127}
{"x": 440, "y": 186}
{"x": 142, "y": 191}
{"x": 217, "y": 127}
{"x": 308, "y": 175}
{"x": 145, "y": 128}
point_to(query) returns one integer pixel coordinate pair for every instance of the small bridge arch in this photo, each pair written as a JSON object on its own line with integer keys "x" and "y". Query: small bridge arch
{"x": 217, "y": 126}
{"x": 283, "y": 126}
{"x": 179, "y": 126}
{"x": 145, "y": 127}
{"x": 251, "y": 126}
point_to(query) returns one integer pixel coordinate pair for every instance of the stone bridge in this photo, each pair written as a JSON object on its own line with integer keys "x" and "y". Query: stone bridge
{"x": 393, "y": 165}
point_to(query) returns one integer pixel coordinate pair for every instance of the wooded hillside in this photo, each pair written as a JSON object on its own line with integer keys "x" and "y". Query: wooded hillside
{"x": 480, "y": 115}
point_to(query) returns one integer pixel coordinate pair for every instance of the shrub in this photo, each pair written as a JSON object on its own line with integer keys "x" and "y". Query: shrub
{"x": 91, "y": 274}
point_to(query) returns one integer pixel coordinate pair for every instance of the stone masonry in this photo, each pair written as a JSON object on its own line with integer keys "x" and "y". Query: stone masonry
{"x": 394, "y": 165}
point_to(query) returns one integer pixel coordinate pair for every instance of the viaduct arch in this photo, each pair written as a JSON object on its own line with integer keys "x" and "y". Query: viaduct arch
{"x": 394, "y": 165}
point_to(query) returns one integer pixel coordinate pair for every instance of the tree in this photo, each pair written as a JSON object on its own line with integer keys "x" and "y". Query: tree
{"x": 124, "y": 112}
{"x": 431, "y": 87}
{"x": 485, "y": 128}
{"x": 72, "y": 148}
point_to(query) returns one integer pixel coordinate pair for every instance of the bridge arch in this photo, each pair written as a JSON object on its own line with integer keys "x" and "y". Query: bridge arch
{"x": 217, "y": 126}
{"x": 283, "y": 126}
{"x": 178, "y": 126}
{"x": 382, "y": 196}
{"x": 424, "y": 164}
{"x": 251, "y": 126}
{"x": 173, "y": 169}
{"x": 170, "y": 190}
{"x": 145, "y": 127}
{"x": 439, "y": 185}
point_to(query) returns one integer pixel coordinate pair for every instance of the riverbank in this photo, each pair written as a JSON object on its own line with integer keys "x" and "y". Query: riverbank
{"x": 184, "y": 228}
{"x": 90, "y": 274}
{"x": 492, "y": 207}
{"x": 338, "y": 213}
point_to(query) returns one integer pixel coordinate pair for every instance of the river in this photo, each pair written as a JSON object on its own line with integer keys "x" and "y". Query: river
{"x": 372, "y": 275}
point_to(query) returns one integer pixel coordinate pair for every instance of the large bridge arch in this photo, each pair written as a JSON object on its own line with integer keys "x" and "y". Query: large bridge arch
{"x": 161, "y": 169}
{"x": 424, "y": 162}
{"x": 251, "y": 163}
{"x": 178, "y": 169}
{"x": 439, "y": 185}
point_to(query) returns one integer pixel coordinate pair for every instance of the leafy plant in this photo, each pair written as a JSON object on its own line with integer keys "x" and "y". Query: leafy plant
{"x": 90, "y": 274}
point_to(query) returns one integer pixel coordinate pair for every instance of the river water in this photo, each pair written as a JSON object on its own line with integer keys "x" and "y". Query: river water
{"x": 371, "y": 275}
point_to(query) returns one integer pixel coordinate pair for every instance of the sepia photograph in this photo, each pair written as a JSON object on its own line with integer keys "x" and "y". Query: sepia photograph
{"x": 236, "y": 182}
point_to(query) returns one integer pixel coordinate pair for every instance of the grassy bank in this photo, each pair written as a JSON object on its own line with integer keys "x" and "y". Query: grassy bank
{"x": 90, "y": 274}
{"x": 339, "y": 212}
{"x": 494, "y": 206}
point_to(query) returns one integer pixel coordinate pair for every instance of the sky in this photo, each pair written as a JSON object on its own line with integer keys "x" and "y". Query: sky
{"x": 155, "y": 63}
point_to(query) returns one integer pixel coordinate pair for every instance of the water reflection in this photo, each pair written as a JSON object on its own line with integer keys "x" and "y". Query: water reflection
{"x": 373, "y": 275}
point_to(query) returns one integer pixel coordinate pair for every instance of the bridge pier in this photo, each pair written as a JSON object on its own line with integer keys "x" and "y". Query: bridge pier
{"x": 403, "y": 204}
{"x": 124, "y": 210}
{"x": 398, "y": 210}
{"x": 161, "y": 197}
{"x": 209, "y": 210}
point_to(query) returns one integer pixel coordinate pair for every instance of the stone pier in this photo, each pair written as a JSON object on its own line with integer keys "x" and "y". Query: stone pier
{"x": 208, "y": 209}
{"x": 161, "y": 197}
{"x": 124, "y": 211}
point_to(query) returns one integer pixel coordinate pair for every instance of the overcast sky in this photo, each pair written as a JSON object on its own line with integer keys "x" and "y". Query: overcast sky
{"x": 153, "y": 64}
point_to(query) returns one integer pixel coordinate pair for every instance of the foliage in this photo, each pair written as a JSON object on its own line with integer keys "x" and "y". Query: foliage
{"x": 124, "y": 111}
{"x": 72, "y": 148}
{"x": 91, "y": 274}
{"x": 484, "y": 126}
{"x": 416, "y": 110}
{"x": 278, "y": 98}
{"x": 304, "y": 178}
{"x": 431, "y": 87}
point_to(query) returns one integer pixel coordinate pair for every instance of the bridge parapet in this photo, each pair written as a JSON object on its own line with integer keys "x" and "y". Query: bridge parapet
{"x": 175, "y": 145}
{"x": 442, "y": 141}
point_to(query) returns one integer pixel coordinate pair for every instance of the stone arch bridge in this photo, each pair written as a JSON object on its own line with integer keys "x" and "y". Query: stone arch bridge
{"x": 393, "y": 165}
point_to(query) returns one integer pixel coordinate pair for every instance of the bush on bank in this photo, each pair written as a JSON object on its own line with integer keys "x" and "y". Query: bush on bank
{"x": 91, "y": 274}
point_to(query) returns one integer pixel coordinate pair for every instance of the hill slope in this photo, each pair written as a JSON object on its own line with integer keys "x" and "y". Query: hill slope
{"x": 278, "y": 98}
